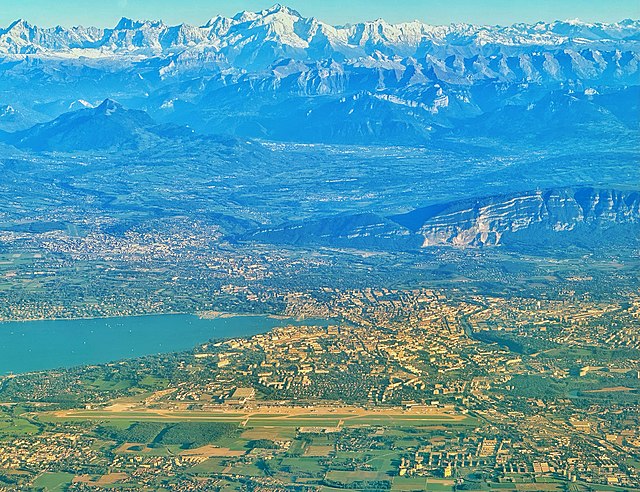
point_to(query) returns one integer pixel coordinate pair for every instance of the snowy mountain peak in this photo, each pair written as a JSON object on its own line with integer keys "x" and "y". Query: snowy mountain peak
{"x": 108, "y": 107}
{"x": 21, "y": 29}
{"x": 280, "y": 9}
{"x": 216, "y": 21}
{"x": 245, "y": 16}
{"x": 126, "y": 24}
{"x": 628, "y": 23}
{"x": 19, "y": 24}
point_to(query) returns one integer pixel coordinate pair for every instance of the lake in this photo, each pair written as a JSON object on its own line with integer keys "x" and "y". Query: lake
{"x": 48, "y": 344}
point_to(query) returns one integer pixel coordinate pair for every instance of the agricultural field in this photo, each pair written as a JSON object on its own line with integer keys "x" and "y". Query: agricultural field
{"x": 350, "y": 448}
{"x": 53, "y": 482}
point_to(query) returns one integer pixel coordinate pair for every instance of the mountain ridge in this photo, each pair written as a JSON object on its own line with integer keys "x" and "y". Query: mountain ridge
{"x": 476, "y": 222}
{"x": 295, "y": 32}
{"x": 278, "y": 75}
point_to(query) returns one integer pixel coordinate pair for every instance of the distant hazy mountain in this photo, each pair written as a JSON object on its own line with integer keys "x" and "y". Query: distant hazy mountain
{"x": 278, "y": 75}
{"x": 106, "y": 126}
{"x": 14, "y": 119}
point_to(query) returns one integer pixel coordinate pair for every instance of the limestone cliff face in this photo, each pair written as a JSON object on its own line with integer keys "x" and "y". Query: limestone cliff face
{"x": 486, "y": 221}
{"x": 529, "y": 218}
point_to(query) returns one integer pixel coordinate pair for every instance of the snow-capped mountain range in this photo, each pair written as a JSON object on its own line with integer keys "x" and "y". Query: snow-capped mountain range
{"x": 254, "y": 39}
{"x": 276, "y": 74}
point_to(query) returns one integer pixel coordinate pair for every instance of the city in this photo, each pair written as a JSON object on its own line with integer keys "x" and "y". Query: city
{"x": 397, "y": 381}
{"x": 318, "y": 247}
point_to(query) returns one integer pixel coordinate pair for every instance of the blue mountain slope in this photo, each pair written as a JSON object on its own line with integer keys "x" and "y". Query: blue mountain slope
{"x": 108, "y": 126}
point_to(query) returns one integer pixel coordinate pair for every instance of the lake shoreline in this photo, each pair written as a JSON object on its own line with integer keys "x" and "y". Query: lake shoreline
{"x": 40, "y": 345}
{"x": 199, "y": 314}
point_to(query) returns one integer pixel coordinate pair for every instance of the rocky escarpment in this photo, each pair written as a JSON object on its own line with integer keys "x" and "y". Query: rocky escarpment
{"x": 548, "y": 217}
{"x": 488, "y": 221}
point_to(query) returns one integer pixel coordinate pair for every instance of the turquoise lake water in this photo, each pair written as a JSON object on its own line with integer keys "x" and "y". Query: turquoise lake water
{"x": 36, "y": 345}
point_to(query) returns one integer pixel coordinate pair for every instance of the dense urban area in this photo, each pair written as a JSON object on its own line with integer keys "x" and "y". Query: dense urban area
{"x": 404, "y": 390}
